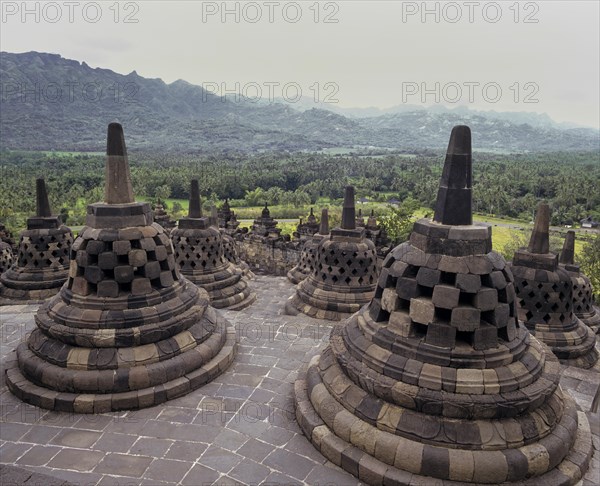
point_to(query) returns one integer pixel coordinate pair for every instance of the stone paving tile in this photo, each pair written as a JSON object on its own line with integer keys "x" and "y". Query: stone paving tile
{"x": 238, "y": 429}
{"x": 124, "y": 465}
{"x": 76, "y": 438}
{"x": 112, "y": 442}
{"x": 168, "y": 470}
{"x": 77, "y": 459}
{"x": 186, "y": 451}
{"x": 200, "y": 475}
{"x": 149, "y": 446}
{"x": 38, "y": 455}
{"x": 249, "y": 471}
{"x": 220, "y": 459}
{"x": 289, "y": 463}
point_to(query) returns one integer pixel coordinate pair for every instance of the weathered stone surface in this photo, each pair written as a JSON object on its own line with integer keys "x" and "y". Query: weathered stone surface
{"x": 436, "y": 380}
{"x": 126, "y": 329}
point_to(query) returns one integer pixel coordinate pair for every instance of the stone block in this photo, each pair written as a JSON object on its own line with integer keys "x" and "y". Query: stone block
{"x": 137, "y": 258}
{"x": 499, "y": 316}
{"x": 107, "y": 260}
{"x": 486, "y": 299}
{"x": 108, "y": 288}
{"x": 93, "y": 274}
{"x": 440, "y": 334}
{"x": 400, "y": 323}
{"x": 498, "y": 280}
{"x": 485, "y": 337}
{"x": 122, "y": 247}
{"x": 95, "y": 247}
{"x": 389, "y": 300}
{"x": 465, "y": 318}
{"x": 80, "y": 286}
{"x": 468, "y": 282}
{"x": 141, "y": 286}
{"x": 407, "y": 288}
{"x": 151, "y": 270}
{"x": 445, "y": 296}
{"x": 428, "y": 277}
{"x": 124, "y": 274}
{"x": 422, "y": 310}
{"x": 160, "y": 253}
{"x": 166, "y": 279}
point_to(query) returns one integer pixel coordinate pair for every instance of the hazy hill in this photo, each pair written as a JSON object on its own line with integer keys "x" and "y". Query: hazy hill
{"x": 49, "y": 102}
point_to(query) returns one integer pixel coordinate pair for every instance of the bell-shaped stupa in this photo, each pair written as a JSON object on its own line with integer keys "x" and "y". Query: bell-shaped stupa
{"x": 583, "y": 293}
{"x": 345, "y": 273}
{"x": 41, "y": 266}
{"x": 435, "y": 381}
{"x": 308, "y": 256}
{"x": 545, "y": 299}
{"x": 199, "y": 254}
{"x": 127, "y": 331}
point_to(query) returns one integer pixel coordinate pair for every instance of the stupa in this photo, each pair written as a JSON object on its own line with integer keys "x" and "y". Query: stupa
{"x": 545, "y": 299}
{"x": 360, "y": 220}
{"x": 127, "y": 331}
{"x": 266, "y": 226}
{"x": 345, "y": 274}
{"x": 435, "y": 381}
{"x": 6, "y": 257}
{"x": 199, "y": 254}
{"x": 310, "y": 228}
{"x": 583, "y": 293}
{"x": 308, "y": 256}
{"x": 42, "y": 263}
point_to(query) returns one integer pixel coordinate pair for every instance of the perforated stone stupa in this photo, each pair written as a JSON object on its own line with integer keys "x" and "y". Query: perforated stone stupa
{"x": 6, "y": 257}
{"x": 583, "y": 292}
{"x": 308, "y": 257}
{"x": 545, "y": 299}
{"x": 435, "y": 381}
{"x": 41, "y": 266}
{"x": 199, "y": 255}
{"x": 127, "y": 331}
{"x": 265, "y": 226}
{"x": 345, "y": 274}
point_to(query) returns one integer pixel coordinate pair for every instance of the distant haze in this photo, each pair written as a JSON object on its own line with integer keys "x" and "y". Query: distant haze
{"x": 378, "y": 53}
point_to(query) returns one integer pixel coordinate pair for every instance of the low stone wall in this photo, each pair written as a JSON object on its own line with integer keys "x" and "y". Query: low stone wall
{"x": 272, "y": 257}
{"x": 269, "y": 257}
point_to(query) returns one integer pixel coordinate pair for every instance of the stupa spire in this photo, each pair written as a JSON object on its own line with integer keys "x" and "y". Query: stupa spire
{"x": 195, "y": 209}
{"x": 349, "y": 211}
{"x": 453, "y": 206}
{"x": 324, "y": 228}
{"x": 41, "y": 199}
{"x": 540, "y": 239}
{"x": 567, "y": 255}
{"x": 118, "y": 188}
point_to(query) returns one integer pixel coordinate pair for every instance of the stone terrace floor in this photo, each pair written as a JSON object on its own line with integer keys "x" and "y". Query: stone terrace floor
{"x": 239, "y": 429}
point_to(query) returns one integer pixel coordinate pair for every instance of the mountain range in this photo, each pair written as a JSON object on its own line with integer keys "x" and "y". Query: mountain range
{"x": 52, "y": 103}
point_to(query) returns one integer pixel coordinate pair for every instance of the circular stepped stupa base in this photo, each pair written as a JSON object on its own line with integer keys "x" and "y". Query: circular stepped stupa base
{"x": 227, "y": 289}
{"x": 296, "y": 276}
{"x": 352, "y": 444}
{"x": 332, "y": 312}
{"x": 592, "y": 321}
{"x": 183, "y": 373}
{"x": 10, "y": 296}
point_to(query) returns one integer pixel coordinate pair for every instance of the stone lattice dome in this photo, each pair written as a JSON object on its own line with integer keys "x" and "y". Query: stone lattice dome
{"x": 436, "y": 381}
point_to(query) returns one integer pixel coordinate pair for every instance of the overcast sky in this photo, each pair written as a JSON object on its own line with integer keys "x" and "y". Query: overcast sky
{"x": 374, "y": 53}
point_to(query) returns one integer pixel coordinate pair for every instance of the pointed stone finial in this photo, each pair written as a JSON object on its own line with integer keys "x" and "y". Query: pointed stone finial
{"x": 453, "y": 206}
{"x": 265, "y": 212}
{"x": 195, "y": 209}
{"x": 324, "y": 228}
{"x": 118, "y": 188}
{"x": 41, "y": 199}
{"x": 349, "y": 211}
{"x": 540, "y": 239}
{"x": 567, "y": 255}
